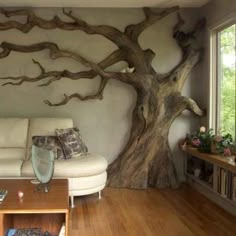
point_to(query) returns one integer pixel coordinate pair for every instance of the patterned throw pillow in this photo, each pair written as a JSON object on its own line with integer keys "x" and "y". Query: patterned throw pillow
{"x": 51, "y": 143}
{"x": 71, "y": 142}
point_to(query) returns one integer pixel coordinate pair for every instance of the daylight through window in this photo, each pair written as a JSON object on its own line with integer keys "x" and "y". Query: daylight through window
{"x": 226, "y": 94}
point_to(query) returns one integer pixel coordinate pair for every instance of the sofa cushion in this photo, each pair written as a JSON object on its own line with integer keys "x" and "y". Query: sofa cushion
{"x": 71, "y": 142}
{"x": 12, "y": 153}
{"x": 50, "y": 143}
{"x": 79, "y": 166}
{"x": 88, "y": 182}
{"x": 46, "y": 127}
{"x": 13, "y": 132}
{"x": 10, "y": 168}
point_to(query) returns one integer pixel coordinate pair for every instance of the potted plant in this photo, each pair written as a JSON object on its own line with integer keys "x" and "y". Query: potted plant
{"x": 202, "y": 139}
{"x": 223, "y": 144}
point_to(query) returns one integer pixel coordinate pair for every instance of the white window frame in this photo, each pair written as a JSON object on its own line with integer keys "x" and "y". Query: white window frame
{"x": 214, "y": 69}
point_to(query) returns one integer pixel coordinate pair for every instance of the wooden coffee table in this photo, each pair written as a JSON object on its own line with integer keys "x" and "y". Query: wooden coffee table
{"x": 47, "y": 211}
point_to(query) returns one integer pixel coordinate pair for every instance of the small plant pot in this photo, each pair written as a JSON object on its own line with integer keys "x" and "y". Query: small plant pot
{"x": 214, "y": 148}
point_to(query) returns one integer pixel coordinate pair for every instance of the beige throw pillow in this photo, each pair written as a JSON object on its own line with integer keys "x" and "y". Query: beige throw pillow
{"x": 71, "y": 142}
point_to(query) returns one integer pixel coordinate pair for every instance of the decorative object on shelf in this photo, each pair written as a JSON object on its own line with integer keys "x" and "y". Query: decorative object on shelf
{"x": 46, "y": 234}
{"x": 25, "y": 232}
{"x": 3, "y": 194}
{"x": 223, "y": 144}
{"x": 20, "y": 195}
{"x": 43, "y": 165}
{"x": 206, "y": 141}
{"x": 197, "y": 172}
{"x": 202, "y": 139}
{"x": 63, "y": 230}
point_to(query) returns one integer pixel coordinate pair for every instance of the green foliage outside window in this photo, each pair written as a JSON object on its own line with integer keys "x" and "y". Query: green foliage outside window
{"x": 227, "y": 76}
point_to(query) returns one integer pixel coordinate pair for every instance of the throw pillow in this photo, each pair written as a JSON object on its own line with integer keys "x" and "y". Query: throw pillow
{"x": 71, "y": 142}
{"x": 51, "y": 143}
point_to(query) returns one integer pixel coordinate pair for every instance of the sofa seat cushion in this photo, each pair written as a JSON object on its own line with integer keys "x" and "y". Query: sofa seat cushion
{"x": 88, "y": 182}
{"x": 10, "y": 168}
{"x": 81, "y": 166}
{"x": 12, "y": 154}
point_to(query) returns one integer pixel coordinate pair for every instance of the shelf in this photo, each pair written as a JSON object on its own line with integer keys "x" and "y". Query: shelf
{"x": 217, "y": 161}
{"x": 37, "y": 210}
{"x": 196, "y": 179}
{"x": 46, "y": 222}
{"x": 224, "y": 162}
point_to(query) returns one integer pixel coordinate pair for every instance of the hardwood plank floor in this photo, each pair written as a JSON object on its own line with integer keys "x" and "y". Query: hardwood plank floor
{"x": 151, "y": 212}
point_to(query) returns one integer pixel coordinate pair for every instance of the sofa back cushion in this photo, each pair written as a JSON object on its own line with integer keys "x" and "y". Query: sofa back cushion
{"x": 13, "y": 138}
{"x": 45, "y": 127}
{"x": 13, "y": 132}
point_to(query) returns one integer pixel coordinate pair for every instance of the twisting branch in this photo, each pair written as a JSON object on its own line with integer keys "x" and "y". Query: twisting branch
{"x": 55, "y": 53}
{"x": 19, "y": 12}
{"x": 189, "y": 104}
{"x": 32, "y": 20}
{"x": 67, "y": 98}
{"x": 40, "y": 66}
{"x": 187, "y": 40}
{"x": 177, "y": 104}
{"x": 21, "y": 79}
{"x": 133, "y": 31}
{"x": 180, "y": 73}
{"x": 179, "y": 23}
{"x": 191, "y": 55}
{"x": 53, "y": 76}
{"x": 124, "y": 41}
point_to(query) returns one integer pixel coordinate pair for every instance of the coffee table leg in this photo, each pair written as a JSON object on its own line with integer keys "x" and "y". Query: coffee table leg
{"x": 72, "y": 201}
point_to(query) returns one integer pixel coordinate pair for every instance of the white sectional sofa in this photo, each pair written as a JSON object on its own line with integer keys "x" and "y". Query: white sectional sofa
{"x": 86, "y": 174}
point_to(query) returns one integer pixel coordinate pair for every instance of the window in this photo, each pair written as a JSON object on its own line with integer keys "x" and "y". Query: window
{"x": 226, "y": 80}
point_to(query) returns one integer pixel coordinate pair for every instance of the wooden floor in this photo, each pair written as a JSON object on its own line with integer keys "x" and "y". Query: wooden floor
{"x": 152, "y": 212}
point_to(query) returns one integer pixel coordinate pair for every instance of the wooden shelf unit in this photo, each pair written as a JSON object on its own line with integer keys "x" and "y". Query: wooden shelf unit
{"x": 48, "y": 211}
{"x": 224, "y": 162}
{"x": 227, "y": 163}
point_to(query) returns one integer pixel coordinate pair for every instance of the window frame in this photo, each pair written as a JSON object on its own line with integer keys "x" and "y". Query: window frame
{"x": 214, "y": 104}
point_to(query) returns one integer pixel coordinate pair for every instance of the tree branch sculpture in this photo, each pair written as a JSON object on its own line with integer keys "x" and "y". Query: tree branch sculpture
{"x": 146, "y": 159}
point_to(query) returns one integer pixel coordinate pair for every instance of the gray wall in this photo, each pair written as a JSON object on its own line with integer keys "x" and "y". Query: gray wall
{"x": 218, "y": 10}
{"x": 104, "y": 124}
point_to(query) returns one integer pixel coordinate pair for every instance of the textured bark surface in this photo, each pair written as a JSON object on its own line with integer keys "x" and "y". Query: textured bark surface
{"x": 146, "y": 159}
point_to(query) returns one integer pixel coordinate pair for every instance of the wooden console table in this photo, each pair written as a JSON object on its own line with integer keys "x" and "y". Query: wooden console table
{"x": 47, "y": 211}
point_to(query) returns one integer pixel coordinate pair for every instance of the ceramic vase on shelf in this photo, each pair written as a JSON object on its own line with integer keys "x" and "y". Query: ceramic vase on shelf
{"x": 214, "y": 148}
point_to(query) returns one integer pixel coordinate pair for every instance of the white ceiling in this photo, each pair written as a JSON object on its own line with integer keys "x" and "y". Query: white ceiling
{"x": 102, "y": 3}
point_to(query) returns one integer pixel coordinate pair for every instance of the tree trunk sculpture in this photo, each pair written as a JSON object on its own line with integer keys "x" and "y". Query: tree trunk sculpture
{"x": 146, "y": 159}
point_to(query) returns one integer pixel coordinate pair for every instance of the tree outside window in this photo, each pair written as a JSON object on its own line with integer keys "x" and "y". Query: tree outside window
{"x": 226, "y": 110}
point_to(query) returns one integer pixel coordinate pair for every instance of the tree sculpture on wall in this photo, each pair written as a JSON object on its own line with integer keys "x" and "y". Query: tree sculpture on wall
{"x": 146, "y": 159}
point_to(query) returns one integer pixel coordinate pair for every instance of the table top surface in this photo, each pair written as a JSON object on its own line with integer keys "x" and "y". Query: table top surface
{"x": 55, "y": 201}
